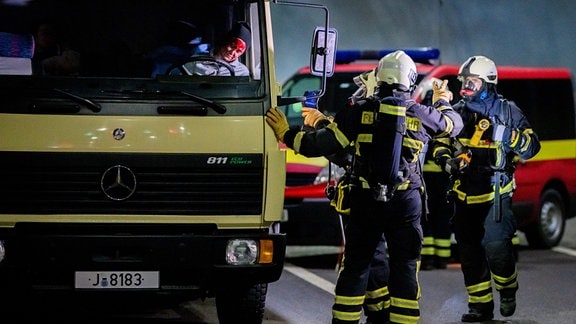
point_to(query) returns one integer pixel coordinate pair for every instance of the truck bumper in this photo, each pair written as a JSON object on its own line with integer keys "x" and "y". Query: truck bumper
{"x": 187, "y": 258}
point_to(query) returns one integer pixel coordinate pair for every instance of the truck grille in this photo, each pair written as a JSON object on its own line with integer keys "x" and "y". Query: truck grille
{"x": 128, "y": 183}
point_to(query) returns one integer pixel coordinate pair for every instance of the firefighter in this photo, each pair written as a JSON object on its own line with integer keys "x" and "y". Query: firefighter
{"x": 387, "y": 194}
{"x": 436, "y": 227}
{"x": 482, "y": 160}
{"x": 437, "y": 244}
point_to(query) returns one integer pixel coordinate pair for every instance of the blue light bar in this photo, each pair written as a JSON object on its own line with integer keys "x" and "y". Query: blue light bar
{"x": 419, "y": 55}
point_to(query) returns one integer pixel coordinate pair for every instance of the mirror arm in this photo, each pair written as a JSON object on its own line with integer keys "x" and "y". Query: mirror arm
{"x": 326, "y": 31}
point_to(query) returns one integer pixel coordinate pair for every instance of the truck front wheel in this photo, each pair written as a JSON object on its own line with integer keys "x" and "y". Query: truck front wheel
{"x": 241, "y": 304}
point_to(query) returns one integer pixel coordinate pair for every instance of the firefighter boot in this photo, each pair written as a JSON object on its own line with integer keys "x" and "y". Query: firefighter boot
{"x": 479, "y": 313}
{"x": 507, "y": 304}
{"x": 427, "y": 262}
{"x": 381, "y": 317}
{"x": 440, "y": 262}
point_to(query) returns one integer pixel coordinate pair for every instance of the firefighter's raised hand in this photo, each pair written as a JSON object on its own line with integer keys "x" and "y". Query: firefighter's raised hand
{"x": 312, "y": 116}
{"x": 441, "y": 91}
{"x": 277, "y": 120}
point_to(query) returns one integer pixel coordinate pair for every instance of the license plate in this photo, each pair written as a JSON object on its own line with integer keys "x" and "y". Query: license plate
{"x": 117, "y": 279}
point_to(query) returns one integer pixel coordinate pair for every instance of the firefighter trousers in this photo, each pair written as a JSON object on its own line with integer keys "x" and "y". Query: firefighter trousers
{"x": 486, "y": 251}
{"x": 399, "y": 221}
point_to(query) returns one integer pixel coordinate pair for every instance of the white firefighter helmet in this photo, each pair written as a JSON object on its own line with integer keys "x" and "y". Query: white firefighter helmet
{"x": 479, "y": 66}
{"x": 397, "y": 68}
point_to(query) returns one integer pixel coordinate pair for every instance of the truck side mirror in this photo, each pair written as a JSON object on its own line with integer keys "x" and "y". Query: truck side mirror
{"x": 323, "y": 52}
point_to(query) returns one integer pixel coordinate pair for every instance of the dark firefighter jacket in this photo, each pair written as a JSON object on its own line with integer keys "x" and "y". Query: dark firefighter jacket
{"x": 355, "y": 124}
{"x": 492, "y": 157}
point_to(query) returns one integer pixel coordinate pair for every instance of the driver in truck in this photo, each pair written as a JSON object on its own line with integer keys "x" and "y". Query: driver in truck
{"x": 229, "y": 49}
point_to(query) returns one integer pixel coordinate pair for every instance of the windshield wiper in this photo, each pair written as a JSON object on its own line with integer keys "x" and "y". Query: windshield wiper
{"x": 214, "y": 105}
{"x": 221, "y": 109}
{"x": 87, "y": 102}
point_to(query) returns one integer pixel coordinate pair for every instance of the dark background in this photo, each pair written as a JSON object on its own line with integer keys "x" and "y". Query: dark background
{"x": 511, "y": 32}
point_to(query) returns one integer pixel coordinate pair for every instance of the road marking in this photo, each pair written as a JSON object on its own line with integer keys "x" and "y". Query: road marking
{"x": 564, "y": 250}
{"x": 311, "y": 278}
{"x": 329, "y": 287}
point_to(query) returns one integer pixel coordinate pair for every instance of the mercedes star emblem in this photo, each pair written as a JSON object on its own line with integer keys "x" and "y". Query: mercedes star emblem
{"x": 118, "y": 134}
{"x": 118, "y": 183}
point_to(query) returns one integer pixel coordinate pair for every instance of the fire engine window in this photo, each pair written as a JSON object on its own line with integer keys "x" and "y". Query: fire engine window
{"x": 551, "y": 116}
{"x": 111, "y": 38}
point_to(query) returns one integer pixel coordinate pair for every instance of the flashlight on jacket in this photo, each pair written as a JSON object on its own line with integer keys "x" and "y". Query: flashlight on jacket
{"x": 465, "y": 158}
{"x": 312, "y": 97}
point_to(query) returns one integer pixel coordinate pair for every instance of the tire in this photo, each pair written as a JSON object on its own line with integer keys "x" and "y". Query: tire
{"x": 548, "y": 230}
{"x": 241, "y": 304}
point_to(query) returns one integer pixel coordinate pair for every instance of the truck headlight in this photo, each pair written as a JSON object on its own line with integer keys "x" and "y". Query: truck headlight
{"x": 2, "y": 251}
{"x": 241, "y": 251}
{"x": 247, "y": 251}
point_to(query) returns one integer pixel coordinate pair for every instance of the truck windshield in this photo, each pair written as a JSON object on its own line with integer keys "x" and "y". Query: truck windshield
{"x": 133, "y": 47}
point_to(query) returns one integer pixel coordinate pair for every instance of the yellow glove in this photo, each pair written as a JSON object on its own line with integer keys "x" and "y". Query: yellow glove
{"x": 441, "y": 91}
{"x": 277, "y": 120}
{"x": 312, "y": 116}
{"x": 368, "y": 79}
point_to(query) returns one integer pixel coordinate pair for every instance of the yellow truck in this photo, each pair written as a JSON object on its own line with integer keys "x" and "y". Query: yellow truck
{"x": 126, "y": 171}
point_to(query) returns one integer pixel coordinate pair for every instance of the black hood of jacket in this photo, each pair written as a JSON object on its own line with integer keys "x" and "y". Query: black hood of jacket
{"x": 485, "y": 104}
